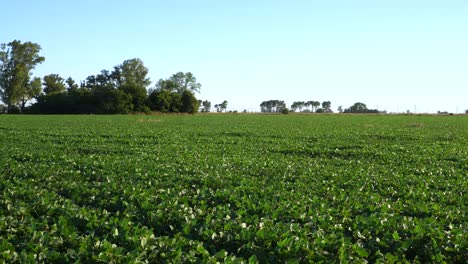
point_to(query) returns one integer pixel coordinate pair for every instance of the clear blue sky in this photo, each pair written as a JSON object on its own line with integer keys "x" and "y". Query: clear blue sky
{"x": 393, "y": 54}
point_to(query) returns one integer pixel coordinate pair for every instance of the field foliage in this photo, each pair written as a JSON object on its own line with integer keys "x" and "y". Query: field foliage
{"x": 233, "y": 188}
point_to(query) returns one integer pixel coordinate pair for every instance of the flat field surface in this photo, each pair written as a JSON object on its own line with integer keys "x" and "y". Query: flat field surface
{"x": 232, "y": 188}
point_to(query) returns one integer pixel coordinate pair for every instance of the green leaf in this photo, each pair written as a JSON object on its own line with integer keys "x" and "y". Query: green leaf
{"x": 202, "y": 250}
{"x": 360, "y": 251}
{"x": 253, "y": 259}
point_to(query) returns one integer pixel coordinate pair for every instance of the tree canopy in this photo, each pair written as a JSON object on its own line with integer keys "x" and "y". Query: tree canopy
{"x": 272, "y": 106}
{"x": 17, "y": 60}
{"x": 360, "y": 108}
{"x": 179, "y": 83}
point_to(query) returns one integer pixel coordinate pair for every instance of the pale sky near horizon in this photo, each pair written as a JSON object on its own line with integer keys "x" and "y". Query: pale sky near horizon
{"x": 396, "y": 55}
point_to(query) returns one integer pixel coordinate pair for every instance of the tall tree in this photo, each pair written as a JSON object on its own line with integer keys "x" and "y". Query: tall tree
{"x": 131, "y": 77}
{"x": 206, "y": 106}
{"x": 307, "y": 104}
{"x": 17, "y": 60}
{"x": 326, "y": 105}
{"x": 71, "y": 85}
{"x": 131, "y": 72}
{"x": 223, "y": 106}
{"x": 33, "y": 90}
{"x": 185, "y": 81}
{"x": 272, "y": 106}
{"x": 189, "y": 102}
{"x": 360, "y": 108}
{"x": 315, "y": 105}
{"x": 297, "y": 106}
{"x": 166, "y": 85}
{"x": 53, "y": 84}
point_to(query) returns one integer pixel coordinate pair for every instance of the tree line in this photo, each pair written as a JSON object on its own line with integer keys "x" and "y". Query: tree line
{"x": 124, "y": 89}
{"x": 121, "y": 90}
{"x": 279, "y": 106}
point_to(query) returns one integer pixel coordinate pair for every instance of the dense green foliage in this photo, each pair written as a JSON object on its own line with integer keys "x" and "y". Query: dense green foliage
{"x": 360, "y": 108}
{"x": 120, "y": 91}
{"x": 207, "y": 188}
{"x": 17, "y": 60}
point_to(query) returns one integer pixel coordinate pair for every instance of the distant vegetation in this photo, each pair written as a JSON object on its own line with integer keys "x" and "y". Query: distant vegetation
{"x": 124, "y": 89}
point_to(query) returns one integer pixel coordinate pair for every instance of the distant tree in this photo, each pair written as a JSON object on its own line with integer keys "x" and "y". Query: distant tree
{"x": 360, "y": 108}
{"x": 179, "y": 83}
{"x": 17, "y": 60}
{"x": 166, "y": 85}
{"x": 326, "y": 106}
{"x": 340, "y": 109}
{"x": 164, "y": 101}
{"x": 272, "y": 106}
{"x": 307, "y": 104}
{"x": 112, "y": 101}
{"x": 71, "y": 85}
{"x": 218, "y": 109}
{"x": 294, "y": 107}
{"x": 185, "y": 81}
{"x": 206, "y": 106}
{"x": 297, "y": 106}
{"x": 189, "y": 102}
{"x": 315, "y": 105}
{"x": 131, "y": 78}
{"x": 53, "y": 84}
{"x": 223, "y": 106}
{"x": 357, "y": 108}
{"x": 130, "y": 72}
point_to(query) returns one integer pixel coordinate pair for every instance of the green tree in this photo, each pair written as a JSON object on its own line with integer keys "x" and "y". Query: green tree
{"x": 315, "y": 105}
{"x": 17, "y": 60}
{"x": 326, "y": 106}
{"x": 185, "y": 81}
{"x": 360, "y": 108}
{"x": 307, "y": 104}
{"x": 53, "y": 84}
{"x": 357, "y": 108}
{"x": 71, "y": 85}
{"x": 272, "y": 106}
{"x": 164, "y": 101}
{"x": 166, "y": 85}
{"x": 206, "y": 106}
{"x": 298, "y": 106}
{"x": 131, "y": 77}
{"x": 223, "y": 106}
{"x": 189, "y": 102}
{"x": 33, "y": 90}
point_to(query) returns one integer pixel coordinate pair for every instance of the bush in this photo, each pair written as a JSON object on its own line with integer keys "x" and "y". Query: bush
{"x": 189, "y": 102}
{"x": 285, "y": 111}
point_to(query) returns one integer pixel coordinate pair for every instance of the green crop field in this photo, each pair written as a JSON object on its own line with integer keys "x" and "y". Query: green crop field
{"x": 233, "y": 188}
